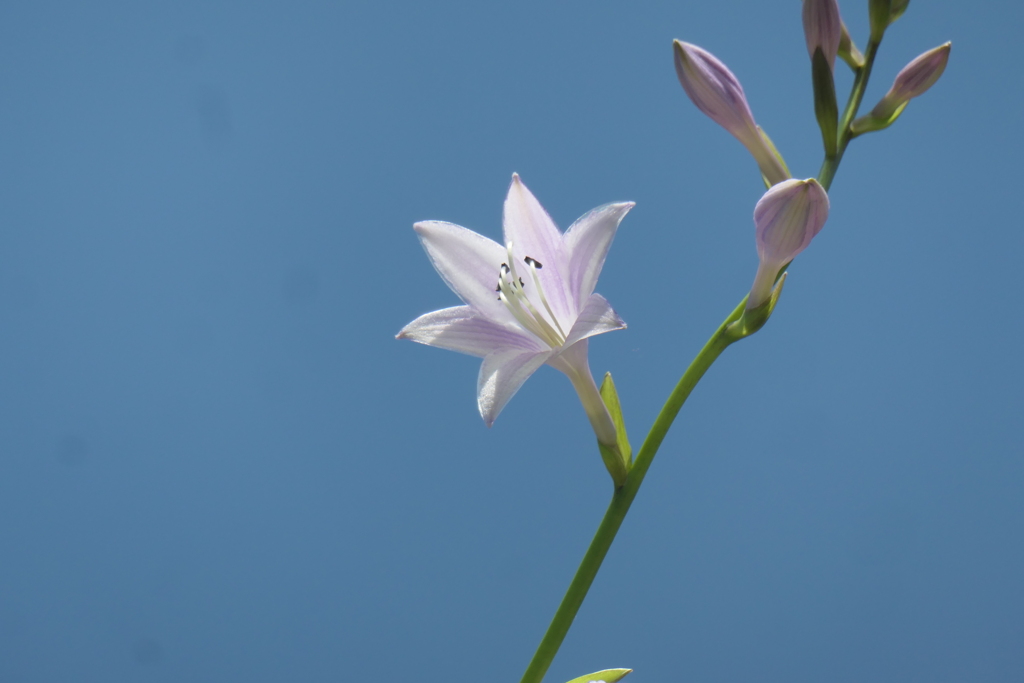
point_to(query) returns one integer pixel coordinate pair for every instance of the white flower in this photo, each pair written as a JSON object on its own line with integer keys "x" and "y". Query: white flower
{"x": 528, "y": 303}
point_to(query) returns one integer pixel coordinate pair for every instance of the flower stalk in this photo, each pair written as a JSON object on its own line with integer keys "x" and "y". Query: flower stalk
{"x": 621, "y": 501}
{"x": 732, "y": 329}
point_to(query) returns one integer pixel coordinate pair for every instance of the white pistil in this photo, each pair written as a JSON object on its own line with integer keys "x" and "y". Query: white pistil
{"x": 510, "y": 291}
{"x": 534, "y": 267}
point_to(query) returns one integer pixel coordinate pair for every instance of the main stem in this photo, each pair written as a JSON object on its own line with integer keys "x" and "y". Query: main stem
{"x": 623, "y": 497}
{"x": 619, "y": 506}
{"x": 860, "y": 84}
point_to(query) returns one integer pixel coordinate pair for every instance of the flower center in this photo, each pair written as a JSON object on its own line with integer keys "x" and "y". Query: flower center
{"x": 512, "y": 292}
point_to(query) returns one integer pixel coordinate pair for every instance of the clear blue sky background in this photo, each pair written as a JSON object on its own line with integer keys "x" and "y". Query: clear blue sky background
{"x": 217, "y": 464}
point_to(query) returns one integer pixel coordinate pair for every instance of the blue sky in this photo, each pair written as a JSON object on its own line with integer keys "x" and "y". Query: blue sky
{"x": 217, "y": 464}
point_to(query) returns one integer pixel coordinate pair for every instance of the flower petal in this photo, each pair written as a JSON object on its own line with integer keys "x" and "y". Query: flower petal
{"x": 501, "y": 374}
{"x": 532, "y": 233}
{"x": 597, "y": 317}
{"x": 586, "y": 242}
{"x": 462, "y": 329}
{"x": 468, "y": 263}
{"x": 787, "y": 218}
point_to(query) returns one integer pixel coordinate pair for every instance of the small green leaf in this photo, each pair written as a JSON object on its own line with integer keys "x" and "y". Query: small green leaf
{"x": 848, "y": 51}
{"x": 611, "y": 401}
{"x": 753, "y": 319}
{"x": 608, "y": 676}
{"x": 825, "y": 108}
{"x": 775, "y": 151}
{"x": 614, "y": 463}
{"x": 876, "y": 121}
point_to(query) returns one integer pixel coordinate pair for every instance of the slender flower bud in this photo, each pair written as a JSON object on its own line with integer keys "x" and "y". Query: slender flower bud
{"x": 920, "y": 74}
{"x": 879, "y": 12}
{"x": 897, "y": 9}
{"x": 823, "y": 28}
{"x": 718, "y": 93}
{"x": 786, "y": 219}
{"x": 912, "y": 81}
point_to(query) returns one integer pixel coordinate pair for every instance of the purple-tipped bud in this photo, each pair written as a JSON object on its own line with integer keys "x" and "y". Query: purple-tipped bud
{"x": 823, "y": 28}
{"x": 718, "y": 93}
{"x": 912, "y": 81}
{"x": 920, "y": 74}
{"x": 786, "y": 219}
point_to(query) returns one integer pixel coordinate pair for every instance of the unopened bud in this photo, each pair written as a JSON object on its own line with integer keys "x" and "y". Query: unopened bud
{"x": 786, "y": 219}
{"x": 897, "y": 9}
{"x": 920, "y": 74}
{"x": 823, "y": 28}
{"x": 914, "y": 80}
{"x": 879, "y": 12}
{"x": 718, "y": 93}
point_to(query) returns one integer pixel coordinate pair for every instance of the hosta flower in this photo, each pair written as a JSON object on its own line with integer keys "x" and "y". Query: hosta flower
{"x": 718, "y": 93}
{"x": 528, "y": 302}
{"x": 786, "y": 219}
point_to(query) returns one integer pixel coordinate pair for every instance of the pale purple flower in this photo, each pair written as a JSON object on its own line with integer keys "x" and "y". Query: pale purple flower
{"x": 528, "y": 302}
{"x": 718, "y": 93}
{"x": 786, "y": 219}
{"x": 823, "y": 28}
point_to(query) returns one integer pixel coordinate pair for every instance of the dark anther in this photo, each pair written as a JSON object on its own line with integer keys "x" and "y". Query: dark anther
{"x": 521, "y": 283}
{"x": 530, "y": 261}
{"x": 504, "y": 268}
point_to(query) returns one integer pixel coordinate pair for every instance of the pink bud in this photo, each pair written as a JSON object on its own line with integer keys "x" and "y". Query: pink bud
{"x": 786, "y": 219}
{"x": 823, "y": 28}
{"x": 920, "y": 74}
{"x": 718, "y": 93}
{"x": 913, "y": 80}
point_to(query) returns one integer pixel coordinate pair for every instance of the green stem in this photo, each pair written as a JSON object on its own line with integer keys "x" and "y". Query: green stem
{"x": 623, "y": 496}
{"x": 621, "y": 500}
{"x": 860, "y": 84}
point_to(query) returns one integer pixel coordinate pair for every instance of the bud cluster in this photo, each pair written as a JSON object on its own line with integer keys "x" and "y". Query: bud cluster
{"x": 792, "y": 211}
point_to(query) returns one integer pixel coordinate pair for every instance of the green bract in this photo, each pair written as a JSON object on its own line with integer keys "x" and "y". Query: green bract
{"x": 606, "y": 676}
{"x": 825, "y": 108}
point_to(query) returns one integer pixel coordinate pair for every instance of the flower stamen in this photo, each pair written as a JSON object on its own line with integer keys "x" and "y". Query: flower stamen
{"x": 536, "y": 265}
{"x": 511, "y": 292}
